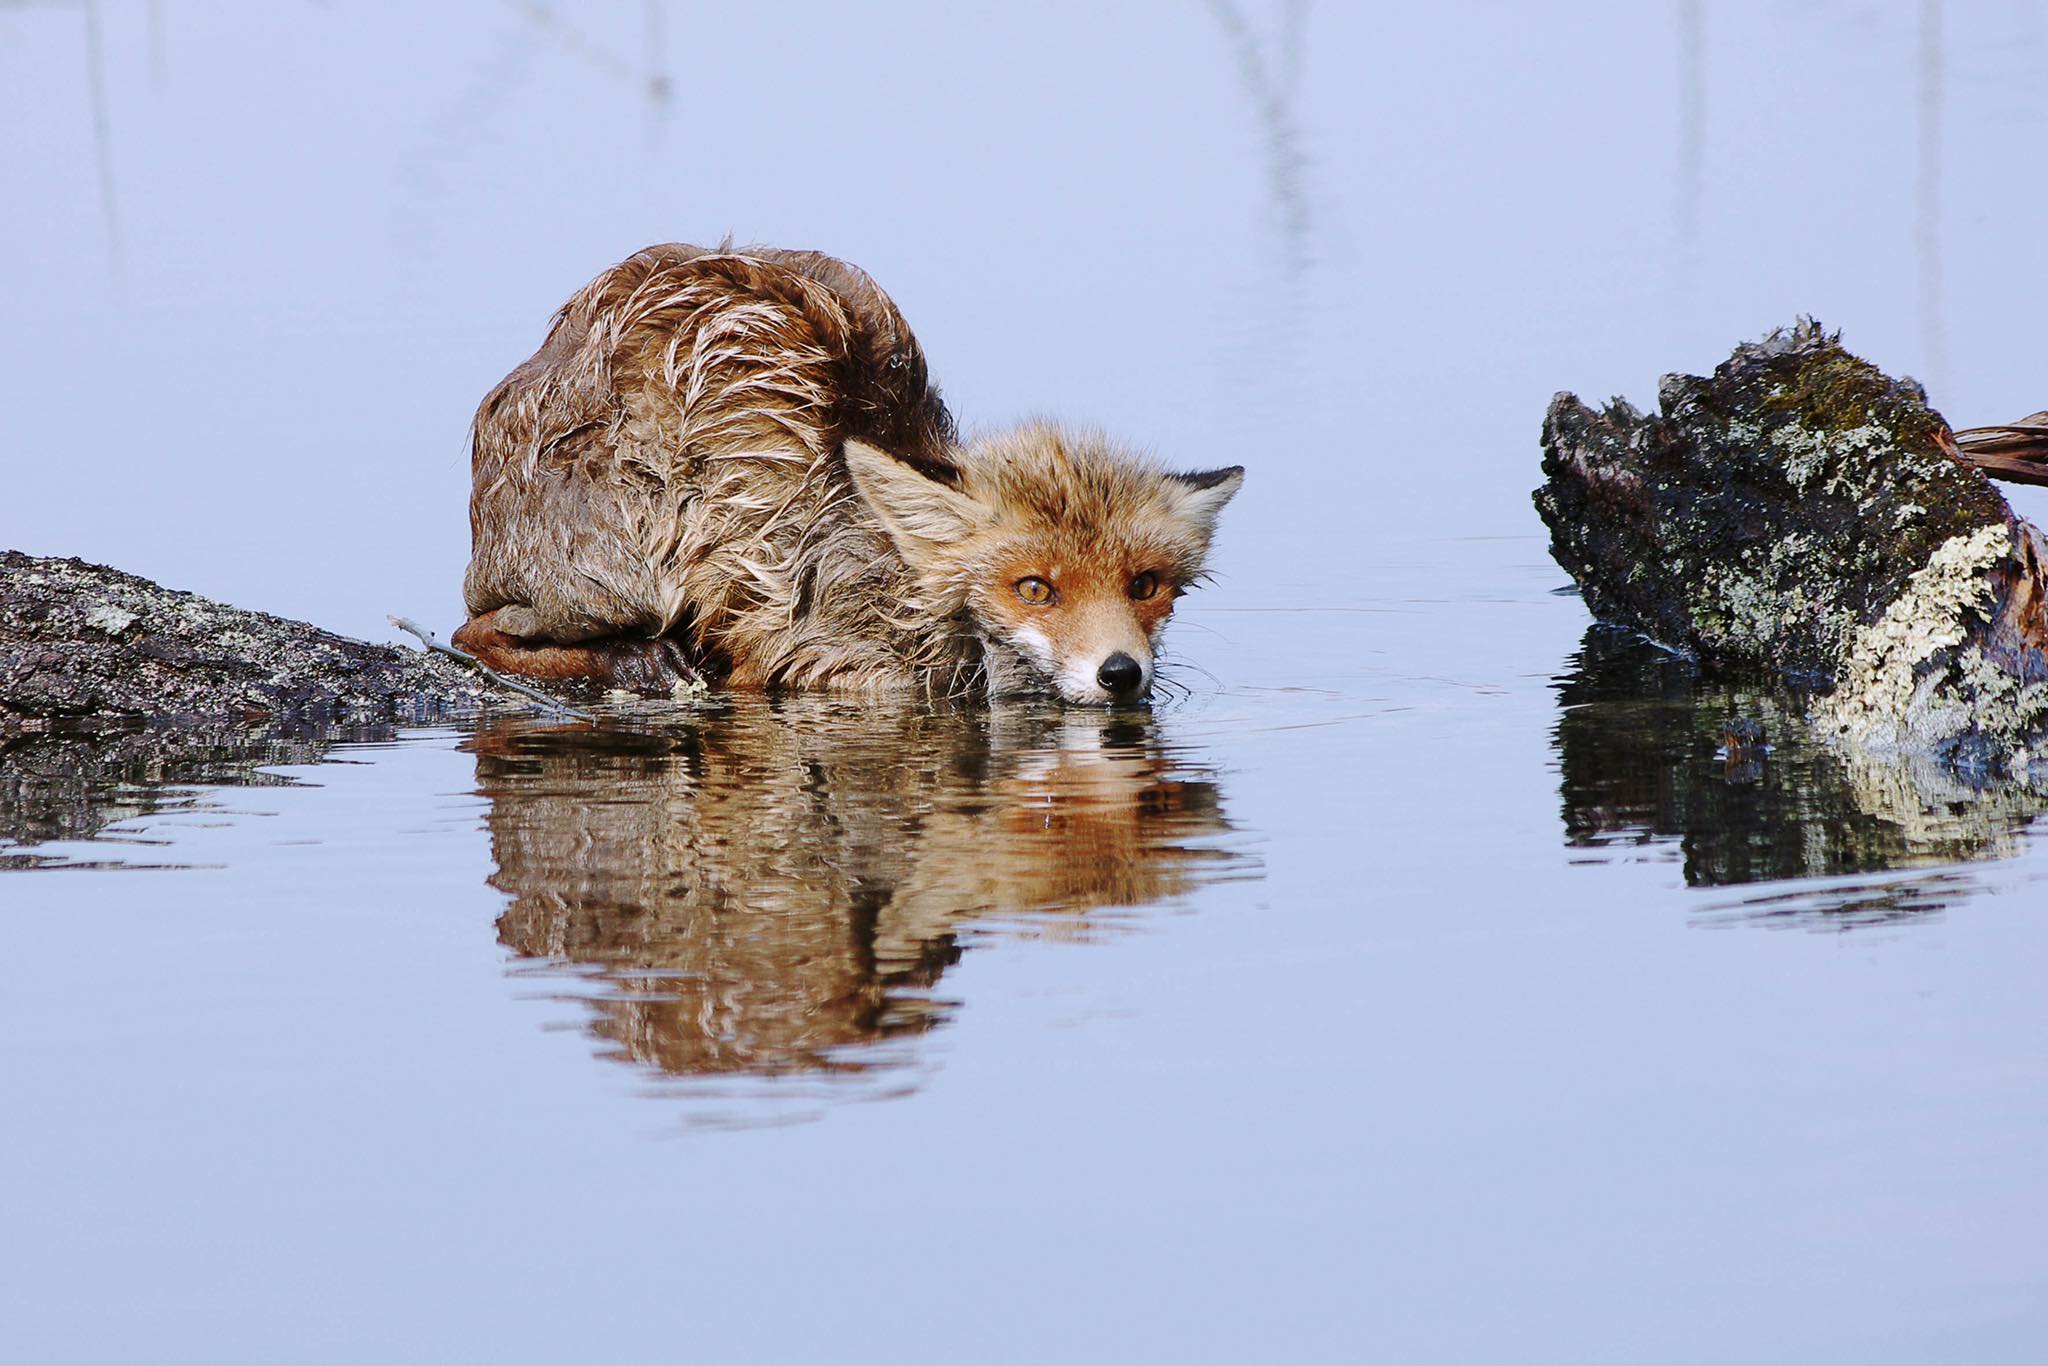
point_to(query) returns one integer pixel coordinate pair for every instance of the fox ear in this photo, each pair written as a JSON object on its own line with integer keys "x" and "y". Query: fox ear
{"x": 1204, "y": 492}
{"x": 915, "y": 505}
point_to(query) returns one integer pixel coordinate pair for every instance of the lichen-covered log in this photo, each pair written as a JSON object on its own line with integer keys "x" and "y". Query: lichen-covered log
{"x": 84, "y": 647}
{"x": 1799, "y": 512}
{"x": 113, "y": 691}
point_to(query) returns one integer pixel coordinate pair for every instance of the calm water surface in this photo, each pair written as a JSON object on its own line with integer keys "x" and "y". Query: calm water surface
{"x": 1416, "y": 983}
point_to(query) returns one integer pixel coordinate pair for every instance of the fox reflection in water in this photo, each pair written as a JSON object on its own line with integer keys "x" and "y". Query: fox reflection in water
{"x": 776, "y": 888}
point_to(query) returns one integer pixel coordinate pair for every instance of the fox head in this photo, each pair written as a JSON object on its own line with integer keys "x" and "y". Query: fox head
{"x": 1063, "y": 552}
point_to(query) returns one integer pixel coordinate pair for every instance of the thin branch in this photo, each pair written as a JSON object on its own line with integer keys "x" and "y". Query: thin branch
{"x": 438, "y": 646}
{"x": 2014, "y": 451}
{"x": 2012, "y": 469}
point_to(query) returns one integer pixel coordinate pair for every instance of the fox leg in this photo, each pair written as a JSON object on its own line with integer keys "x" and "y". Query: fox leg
{"x": 635, "y": 663}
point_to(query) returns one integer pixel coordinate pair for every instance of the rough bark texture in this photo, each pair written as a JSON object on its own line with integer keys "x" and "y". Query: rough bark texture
{"x": 87, "y": 647}
{"x": 113, "y": 691}
{"x": 1801, "y": 514}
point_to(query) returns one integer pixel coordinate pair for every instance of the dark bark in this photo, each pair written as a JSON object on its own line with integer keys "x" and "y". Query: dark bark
{"x": 87, "y": 647}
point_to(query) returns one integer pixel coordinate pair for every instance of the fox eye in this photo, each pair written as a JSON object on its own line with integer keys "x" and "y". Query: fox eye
{"x": 1144, "y": 586}
{"x": 1036, "y": 590}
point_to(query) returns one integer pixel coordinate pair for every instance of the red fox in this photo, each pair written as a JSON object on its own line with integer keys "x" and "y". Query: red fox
{"x": 733, "y": 464}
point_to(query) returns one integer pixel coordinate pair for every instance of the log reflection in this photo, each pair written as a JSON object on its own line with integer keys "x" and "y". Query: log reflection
{"x": 777, "y": 889}
{"x": 1637, "y": 739}
{"x": 72, "y": 785}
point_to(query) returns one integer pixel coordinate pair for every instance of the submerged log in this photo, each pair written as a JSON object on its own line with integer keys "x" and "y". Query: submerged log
{"x": 1799, "y": 513}
{"x": 87, "y": 648}
{"x": 114, "y": 690}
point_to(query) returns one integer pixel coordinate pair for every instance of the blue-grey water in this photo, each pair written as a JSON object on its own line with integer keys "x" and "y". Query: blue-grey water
{"x": 1418, "y": 987}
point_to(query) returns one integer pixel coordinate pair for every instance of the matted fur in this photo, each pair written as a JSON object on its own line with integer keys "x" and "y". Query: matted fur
{"x": 673, "y": 466}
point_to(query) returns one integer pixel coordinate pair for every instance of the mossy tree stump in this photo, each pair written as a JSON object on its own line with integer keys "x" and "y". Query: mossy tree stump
{"x": 1802, "y": 514}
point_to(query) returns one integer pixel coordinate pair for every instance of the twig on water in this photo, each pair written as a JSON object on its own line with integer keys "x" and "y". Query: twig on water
{"x": 438, "y": 646}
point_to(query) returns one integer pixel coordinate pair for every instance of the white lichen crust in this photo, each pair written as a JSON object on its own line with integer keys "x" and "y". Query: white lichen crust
{"x": 1914, "y": 679}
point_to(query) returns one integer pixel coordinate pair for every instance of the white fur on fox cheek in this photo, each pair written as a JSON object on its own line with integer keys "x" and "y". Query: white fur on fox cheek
{"x": 1034, "y": 643}
{"x": 1075, "y": 679}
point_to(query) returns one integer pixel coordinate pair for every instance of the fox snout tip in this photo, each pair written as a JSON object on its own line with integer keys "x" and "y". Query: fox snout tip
{"x": 1122, "y": 677}
{"x": 1119, "y": 680}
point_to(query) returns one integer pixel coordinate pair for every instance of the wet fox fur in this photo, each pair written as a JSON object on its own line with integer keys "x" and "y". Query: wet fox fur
{"x": 733, "y": 464}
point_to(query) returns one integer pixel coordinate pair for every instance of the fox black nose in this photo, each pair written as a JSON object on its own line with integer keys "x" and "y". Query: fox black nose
{"x": 1120, "y": 674}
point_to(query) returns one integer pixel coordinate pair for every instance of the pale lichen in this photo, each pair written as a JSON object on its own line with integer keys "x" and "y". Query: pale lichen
{"x": 109, "y": 620}
{"x": 1912, "y": 680}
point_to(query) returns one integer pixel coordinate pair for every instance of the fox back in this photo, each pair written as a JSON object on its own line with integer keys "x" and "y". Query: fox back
{"x": 734, "y": 464}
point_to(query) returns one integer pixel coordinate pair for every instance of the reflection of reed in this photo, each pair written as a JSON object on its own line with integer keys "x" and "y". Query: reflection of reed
{"x": 1692, "y": 135}
{"x": 1273, "y": 85}
{"x": 464, "y": 125}
{"x": 102, "y": 134}
{"x": 158, "y": 72}
{"x": 776, "y": 890}
{"x": 1927, "y": 229}
{"x": 450, "y": 139}
{"x": 654, "y": 71}
{"x": 575, "y": 42}
{"x": 1636, "y": 740}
